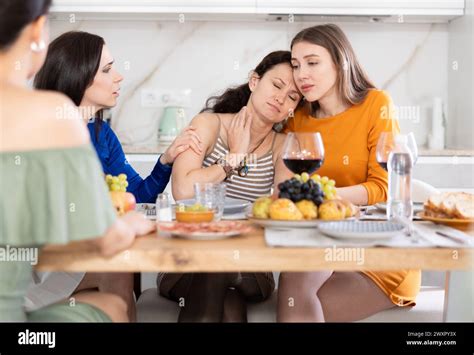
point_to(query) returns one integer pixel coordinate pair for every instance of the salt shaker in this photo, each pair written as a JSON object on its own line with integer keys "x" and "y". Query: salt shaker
{"x": 163, "y": 208}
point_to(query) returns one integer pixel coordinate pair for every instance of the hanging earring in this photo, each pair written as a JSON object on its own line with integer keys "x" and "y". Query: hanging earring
{"x": 38, "y": 47}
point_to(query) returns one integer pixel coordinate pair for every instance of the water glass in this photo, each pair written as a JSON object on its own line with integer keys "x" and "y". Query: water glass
{"x": 212, "y": 196}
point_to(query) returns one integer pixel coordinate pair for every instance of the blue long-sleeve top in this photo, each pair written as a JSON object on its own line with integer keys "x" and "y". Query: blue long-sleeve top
{"x": 113, "y": 162}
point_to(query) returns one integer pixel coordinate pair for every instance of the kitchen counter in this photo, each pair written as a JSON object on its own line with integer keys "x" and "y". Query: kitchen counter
{"x": 446, "y": 152}
{"x": 144, "y": 149}
{"x": 160, "y": 148}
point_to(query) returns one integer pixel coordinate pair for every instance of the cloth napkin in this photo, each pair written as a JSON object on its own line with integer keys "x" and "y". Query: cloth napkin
{"x": 425, "y": 237}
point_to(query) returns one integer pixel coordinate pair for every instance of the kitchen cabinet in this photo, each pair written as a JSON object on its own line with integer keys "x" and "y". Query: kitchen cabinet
{"x": 276, "y": 10}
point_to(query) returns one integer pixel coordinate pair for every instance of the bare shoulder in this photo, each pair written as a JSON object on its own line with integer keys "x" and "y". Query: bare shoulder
{"x": 63, "y": 117}
{"x": 206, "y": 119}
{"x": 48, "y": 120}
{"x": 207, "y": 124}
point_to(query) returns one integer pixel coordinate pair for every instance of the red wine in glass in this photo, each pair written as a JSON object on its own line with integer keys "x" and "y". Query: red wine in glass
{"x": 383, "y": 164}
{"x": 299, "y": 166}
{"x": 385, "y": 144}
{"x": 303, "y": 152}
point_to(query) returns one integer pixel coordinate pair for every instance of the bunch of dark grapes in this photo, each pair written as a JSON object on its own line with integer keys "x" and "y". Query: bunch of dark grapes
{"x": 296, "y": 190}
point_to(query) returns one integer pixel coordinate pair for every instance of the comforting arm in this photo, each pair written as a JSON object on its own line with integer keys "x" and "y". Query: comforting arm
{"x": 145, "y": 190}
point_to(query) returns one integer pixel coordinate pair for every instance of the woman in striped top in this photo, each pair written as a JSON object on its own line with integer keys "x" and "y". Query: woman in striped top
{"x": 236, "y": 125}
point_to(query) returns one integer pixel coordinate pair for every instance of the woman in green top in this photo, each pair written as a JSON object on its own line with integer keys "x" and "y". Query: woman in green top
{"x": 52, "y": 188}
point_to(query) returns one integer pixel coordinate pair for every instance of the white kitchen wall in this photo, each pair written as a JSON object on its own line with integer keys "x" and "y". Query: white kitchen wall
{"x": 410, "y": 61}
{"x": 461, "y": 80}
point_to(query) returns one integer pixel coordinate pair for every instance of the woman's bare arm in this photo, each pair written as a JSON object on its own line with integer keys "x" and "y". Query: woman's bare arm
{"x": 187, "y": 168}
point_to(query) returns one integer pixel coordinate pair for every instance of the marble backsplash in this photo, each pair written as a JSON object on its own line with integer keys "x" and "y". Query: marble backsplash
{"x": 410, "y": 61}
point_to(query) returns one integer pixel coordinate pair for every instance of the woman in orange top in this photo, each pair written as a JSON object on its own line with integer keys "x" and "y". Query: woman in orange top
{"x": 350, "y": 113}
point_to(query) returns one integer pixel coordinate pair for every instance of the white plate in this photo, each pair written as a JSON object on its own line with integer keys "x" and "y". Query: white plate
{"x": 361, "y": 230}
{"x": 231, "y": 205}
{"x": 204, "y": 236}
{"x": 417, "y": 206}
{"x": 273, "y": 223}
{"x": 201, "y": 235}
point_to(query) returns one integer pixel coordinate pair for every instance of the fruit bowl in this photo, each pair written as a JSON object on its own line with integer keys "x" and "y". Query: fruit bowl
{"x": 303, "y": 201}
{"x": 275, "y": 223}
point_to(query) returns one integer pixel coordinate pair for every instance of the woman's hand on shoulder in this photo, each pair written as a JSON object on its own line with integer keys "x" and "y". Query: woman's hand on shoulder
{"x": 196, "y": 138}
{"x": 188, "y": 139}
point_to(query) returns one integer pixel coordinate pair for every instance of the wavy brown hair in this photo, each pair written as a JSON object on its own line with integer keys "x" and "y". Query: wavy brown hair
{"x": 234, "y": 98}
{"x": 353, "y": 82}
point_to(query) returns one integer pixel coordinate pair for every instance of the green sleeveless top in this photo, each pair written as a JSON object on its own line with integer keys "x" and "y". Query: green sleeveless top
{"x": 50, "y": 196}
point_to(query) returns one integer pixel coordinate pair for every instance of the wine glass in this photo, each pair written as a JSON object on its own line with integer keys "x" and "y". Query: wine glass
{"x": 303, "y": 152}
{"x": 385, "y": 145}
{"x": 411, "y": 143}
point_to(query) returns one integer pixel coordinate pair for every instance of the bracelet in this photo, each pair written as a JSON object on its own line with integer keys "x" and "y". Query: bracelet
{"x": 243, "y": 168}
{"x": 228, "y": 169}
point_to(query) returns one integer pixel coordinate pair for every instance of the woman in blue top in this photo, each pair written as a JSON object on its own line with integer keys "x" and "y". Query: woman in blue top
{"x": 80, "y": 65}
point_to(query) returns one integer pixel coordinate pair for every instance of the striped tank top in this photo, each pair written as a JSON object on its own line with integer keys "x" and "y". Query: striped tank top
{"x": 259, "y": 179}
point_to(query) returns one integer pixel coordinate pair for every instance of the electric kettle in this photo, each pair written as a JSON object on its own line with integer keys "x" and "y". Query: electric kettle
{"x": 172, "y": 121}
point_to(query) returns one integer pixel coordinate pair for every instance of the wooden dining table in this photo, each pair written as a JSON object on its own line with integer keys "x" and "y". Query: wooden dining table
{"x": 249, "y": 252}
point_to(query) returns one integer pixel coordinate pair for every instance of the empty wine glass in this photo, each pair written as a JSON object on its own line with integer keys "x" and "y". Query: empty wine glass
{"x": 303, "y": 152}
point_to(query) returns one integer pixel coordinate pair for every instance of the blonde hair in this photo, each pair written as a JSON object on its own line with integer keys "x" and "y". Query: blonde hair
{"x": 353, "y": 83}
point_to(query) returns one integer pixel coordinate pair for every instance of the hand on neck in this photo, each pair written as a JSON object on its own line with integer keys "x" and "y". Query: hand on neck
{"x": 259, "y": 128}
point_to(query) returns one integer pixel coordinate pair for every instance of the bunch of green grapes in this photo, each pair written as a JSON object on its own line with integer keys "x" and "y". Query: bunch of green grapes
{"x": 327, "y": 185}
{"x": 117, "y": 183}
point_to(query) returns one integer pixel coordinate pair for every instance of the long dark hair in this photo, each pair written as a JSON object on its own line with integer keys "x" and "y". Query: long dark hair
{"x": 15, "y": 15}
{"x": 71, "y": 64}
{"x": 352, "y": 81}
{"x": 233, "y": 99}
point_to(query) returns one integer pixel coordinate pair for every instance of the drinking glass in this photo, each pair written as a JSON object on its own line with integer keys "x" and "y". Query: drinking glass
{"x": 212, "y": 196}
{"x": 386, "y": 144}
{"x": 303, "y": 152}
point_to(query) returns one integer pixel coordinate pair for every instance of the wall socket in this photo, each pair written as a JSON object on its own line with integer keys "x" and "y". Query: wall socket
{"x": 152, "y": 98}
{"x": 162, "y": 98}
